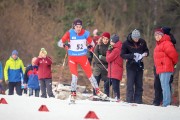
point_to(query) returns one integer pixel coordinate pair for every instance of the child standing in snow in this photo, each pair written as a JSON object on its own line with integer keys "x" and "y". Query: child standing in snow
{"x": 31, "y": 78}
{"x": 115, "y": 65}
{"x": 77, "y": 39}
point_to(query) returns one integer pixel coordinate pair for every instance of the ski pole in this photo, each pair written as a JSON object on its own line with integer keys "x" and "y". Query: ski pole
{"x": 99, "y": 60}
{"x": 62, "y": 67}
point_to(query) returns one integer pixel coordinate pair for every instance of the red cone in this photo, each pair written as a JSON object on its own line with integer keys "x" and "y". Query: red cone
{"x": 91, "y": 115}
{"x": 43, "y": 108}
{"x": 3, "y": 101}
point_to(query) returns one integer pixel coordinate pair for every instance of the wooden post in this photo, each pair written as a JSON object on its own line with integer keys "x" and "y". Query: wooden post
{"x": 179, "y": 88}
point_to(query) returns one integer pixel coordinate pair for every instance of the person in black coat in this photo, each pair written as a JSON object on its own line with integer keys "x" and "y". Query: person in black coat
{"x": 133, "y": 50}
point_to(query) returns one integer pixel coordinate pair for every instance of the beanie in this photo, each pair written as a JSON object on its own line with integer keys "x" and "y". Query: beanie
{"x": 106, "y": 34}
{"x": 135, "y": 34}
{"x": 77, "y": 21}
{"x": 159, "y": 31}
{"x": 115, "y": 38}
{"x": 14, "y": 52}
{"x": 166, "y": 30}
{"x": 44, "y": 50}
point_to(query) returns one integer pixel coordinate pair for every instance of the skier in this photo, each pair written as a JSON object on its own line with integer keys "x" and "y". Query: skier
{"x": 77, "y": 39}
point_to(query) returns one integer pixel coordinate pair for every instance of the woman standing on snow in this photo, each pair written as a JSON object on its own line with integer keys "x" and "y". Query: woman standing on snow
{"x": 115, "y": 66}
{"x": 165, "y": 58}
{"x": 99, "y": 71}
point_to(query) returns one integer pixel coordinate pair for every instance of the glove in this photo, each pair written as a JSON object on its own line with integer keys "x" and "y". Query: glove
{"x": 66, "y": 46}
{"x": 90, "y": 48}
{"x": 144, "y": 54}
{"x": 110, "y": 47}
{"x": 100, "y": 56}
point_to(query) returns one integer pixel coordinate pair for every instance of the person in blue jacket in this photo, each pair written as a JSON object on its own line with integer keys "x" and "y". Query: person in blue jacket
{"x": 31, "y": 78}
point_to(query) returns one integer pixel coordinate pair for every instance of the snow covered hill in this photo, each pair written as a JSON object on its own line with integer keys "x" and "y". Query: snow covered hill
{"x": 27, "y": 108}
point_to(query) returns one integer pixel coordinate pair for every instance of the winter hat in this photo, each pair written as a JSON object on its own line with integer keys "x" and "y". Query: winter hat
{"x": 159, "y": 31}
{"x": 166, "y": 30}
{"x": 95, "y": 32}
{"x": 44, "y": 50}
{"x": 135, "y": 34}
{"x": 106, "y": 34}
{"x": 115, "y": 38}
{"x": 77, "y": 21}
{"x": 14, "y": 52}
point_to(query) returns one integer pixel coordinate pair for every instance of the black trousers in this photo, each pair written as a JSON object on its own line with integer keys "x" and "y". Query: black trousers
{"x": 16, "y": 85}
{"x": 46, "y": 84}
{"x": 115, "y": 85}
{"x": 134, "y": 88}
{"x": 158, "y": 96}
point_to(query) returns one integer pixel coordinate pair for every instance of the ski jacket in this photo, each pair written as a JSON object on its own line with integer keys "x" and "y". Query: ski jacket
{"x": 130, "y": 47}
{"x": 1, "y": 72}
{"x": 31, "y": 77}
{"x": 78, "y": 42}
{"x": 44, "y": 67}
{"x": 100, "y": 50}
{"x": 115, "y": 62}
{"x": 14, "y": 70}
{"x": 165, "y": 55}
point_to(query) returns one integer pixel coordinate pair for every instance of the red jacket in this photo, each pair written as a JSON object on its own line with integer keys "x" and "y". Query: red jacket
{"x": 115, "y": 62}
{"x": 165, "y": 55}
{"x": 44, "y": 67}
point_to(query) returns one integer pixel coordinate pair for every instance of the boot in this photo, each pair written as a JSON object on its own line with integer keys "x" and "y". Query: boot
{"x": 73, "y": 97}
{"x": 100, "y": 94}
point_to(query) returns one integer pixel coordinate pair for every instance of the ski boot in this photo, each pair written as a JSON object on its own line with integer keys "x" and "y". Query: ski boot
{"x": 101, "y": 94}
{"x": 73, "y": 97}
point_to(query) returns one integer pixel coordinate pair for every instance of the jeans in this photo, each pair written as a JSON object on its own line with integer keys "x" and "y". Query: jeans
{"x": 36, "y": 92}
{"x": 165, "y": 78}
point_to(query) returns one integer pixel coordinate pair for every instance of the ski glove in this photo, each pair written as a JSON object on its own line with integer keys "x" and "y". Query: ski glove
{"x": 110, "y": 47}
{"x": 90, "y": 48}
{"x": 66, "y": 46}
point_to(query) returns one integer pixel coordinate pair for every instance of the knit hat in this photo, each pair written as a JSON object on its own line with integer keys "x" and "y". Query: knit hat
{"x": 115, "y": 38}
{"x": 77, "y": 21}
{"x": 44, "y": 50}
{"x": 159, "y": 31}
{"x": 14, "y": 52}
{"x": 106, "y": 34}
{"x": 135, "y": 34}
{"x": 166, "y": 30}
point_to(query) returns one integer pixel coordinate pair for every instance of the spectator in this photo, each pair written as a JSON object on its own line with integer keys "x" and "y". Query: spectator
{"x": 44, "y": 63}
{"x": 165, "y": 58}
{"x": 99, "y": 72}
{"x": 1, "y": 79}
{"x": 134, "y": 49}
{"x": 13, "y": 71}
{"x": 31, "y": 78}
{"x": 115, "y": 65}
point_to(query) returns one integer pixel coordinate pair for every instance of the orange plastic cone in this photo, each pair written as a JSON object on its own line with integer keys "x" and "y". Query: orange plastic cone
{"x": 43, "y": 108}
{"x": 91, "y": 115}
{"x": 3, "y": 101}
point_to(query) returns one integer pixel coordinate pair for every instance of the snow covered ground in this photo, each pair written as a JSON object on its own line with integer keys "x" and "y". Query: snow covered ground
{"x": 26, "y": 108}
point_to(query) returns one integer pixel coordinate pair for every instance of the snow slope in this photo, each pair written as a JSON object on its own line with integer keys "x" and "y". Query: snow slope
{"x": 26, "y": 108}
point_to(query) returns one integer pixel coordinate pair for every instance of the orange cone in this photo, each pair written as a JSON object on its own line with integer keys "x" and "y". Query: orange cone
{"x": 43, "y": 108}
{"x": 91, "y": 115}
{"x": 3, "y": 101}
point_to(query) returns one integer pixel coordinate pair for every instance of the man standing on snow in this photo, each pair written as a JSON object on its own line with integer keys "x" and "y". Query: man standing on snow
{"x": 134, "y": 49}
{"x": 77, "y": 39}
{"x": 13, "y": 72}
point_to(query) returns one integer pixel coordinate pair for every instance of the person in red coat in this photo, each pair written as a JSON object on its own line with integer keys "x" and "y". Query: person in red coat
{"x": 115, "y": 65}
{"x": 165, "y": 58}
{"x": 44, "y": 73}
